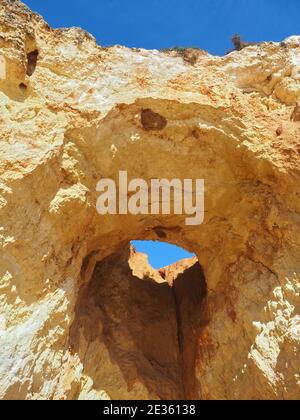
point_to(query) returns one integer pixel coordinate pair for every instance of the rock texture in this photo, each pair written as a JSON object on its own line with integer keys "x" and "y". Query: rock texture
{"x": 134, "y": 334}
{"x": 75, "y": 320}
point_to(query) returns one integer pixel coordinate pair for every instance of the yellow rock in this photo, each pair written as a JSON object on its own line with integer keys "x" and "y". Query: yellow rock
{"x": 76, "y": 321}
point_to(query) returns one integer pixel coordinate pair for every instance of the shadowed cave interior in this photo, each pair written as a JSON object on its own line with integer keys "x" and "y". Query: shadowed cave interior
{"x": 135, "y": 327}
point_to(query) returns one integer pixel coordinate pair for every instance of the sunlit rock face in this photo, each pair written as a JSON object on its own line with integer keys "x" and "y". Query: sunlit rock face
{"x": 71, "y": 113}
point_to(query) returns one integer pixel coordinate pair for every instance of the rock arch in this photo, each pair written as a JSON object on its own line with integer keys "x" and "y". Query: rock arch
{"x": 81, "y": 121}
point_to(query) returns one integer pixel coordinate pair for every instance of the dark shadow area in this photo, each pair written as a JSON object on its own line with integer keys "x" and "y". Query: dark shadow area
{"x": 136, "y": 338}
{"x": 32, "y": 58}
{"x": 190, "y": 291}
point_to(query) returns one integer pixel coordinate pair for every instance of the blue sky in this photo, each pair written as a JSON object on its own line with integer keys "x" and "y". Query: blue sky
{"x": 161, "y": 254}
{"x": 207, "y": 24}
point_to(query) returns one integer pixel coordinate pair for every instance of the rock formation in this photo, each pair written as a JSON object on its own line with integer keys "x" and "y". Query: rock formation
{"x": 135, "y": 335}
{"x": 77, "y": 320}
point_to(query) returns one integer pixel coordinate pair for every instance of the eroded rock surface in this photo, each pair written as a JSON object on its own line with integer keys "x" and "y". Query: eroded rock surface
{"x": 135, "y": 334}
{"x": 71, "y": 114}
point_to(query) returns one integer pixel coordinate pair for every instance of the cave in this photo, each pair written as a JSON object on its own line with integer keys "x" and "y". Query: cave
{"x": 143, "y": 325}
{"x": 79, "y": 255}
{"x": 77, "y": 321}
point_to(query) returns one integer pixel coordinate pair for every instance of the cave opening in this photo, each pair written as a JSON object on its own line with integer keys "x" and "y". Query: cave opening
{"x": 32, "y": 58}
{"x": 162, "y": 254}
{"x": 136, "y": 326}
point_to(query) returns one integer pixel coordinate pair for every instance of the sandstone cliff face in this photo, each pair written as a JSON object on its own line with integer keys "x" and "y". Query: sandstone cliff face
{"x": 76, "y": 321}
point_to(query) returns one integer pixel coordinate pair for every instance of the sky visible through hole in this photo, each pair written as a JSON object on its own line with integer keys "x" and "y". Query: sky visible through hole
{"x": 158, "y": 24}
{"x": 161, "y": 254}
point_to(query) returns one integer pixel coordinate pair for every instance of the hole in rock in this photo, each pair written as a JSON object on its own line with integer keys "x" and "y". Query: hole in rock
{"x": 161, "y": 254}
{"x": 152, "y": 120}
{"x": 136, "y": 327}
{"x": 22, "y": 86}
{"x": 32, "y": 58}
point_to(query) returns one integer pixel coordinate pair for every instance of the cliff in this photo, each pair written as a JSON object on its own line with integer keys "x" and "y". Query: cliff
{"x": 78, "y": 317}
